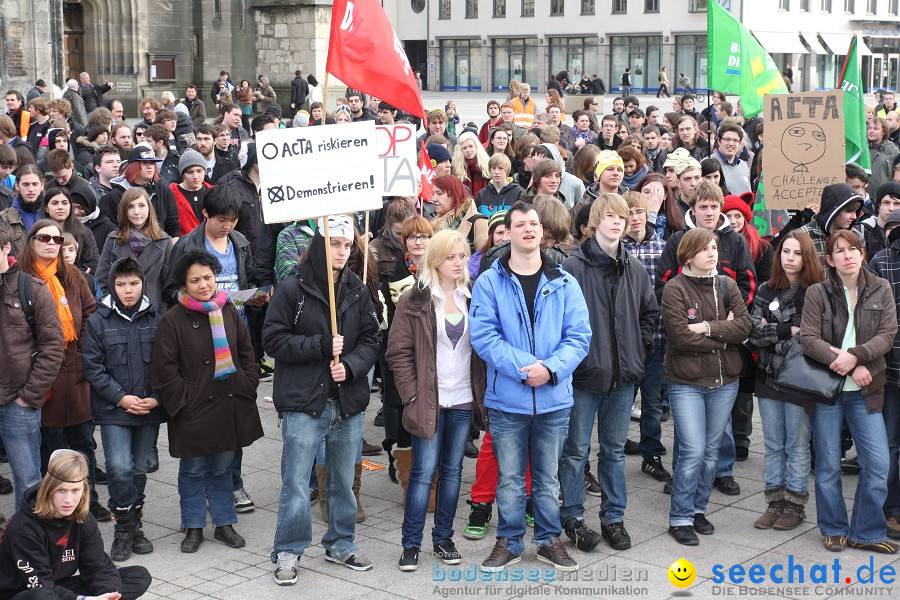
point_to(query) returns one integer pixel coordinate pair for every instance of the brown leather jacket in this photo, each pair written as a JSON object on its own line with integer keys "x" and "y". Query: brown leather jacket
{"x": 876, "y": 326}
{"x": 412, "y": 357}
{"x": 695, "y": 358}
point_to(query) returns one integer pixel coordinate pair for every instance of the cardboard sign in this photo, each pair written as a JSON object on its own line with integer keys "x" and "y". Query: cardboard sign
{"x": 397, "y": 150}
{"x": 804, "y": 149}
{"x": 307, "y": 172}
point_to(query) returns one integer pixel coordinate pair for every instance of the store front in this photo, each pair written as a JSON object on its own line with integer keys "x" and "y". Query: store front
{"x": 461, "y": 65}
{"x": 515, "y": 58}
{"x": 690, "y": 59}
{"x": 643, "y": 53}
{"x": 577, "y": 55}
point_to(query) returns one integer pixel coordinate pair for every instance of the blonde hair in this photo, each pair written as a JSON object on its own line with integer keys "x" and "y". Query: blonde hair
{"x": 606, "y": 203}
{"x": 167, "y": 98}
{"x": 442, "y": 244}
{"x": 69, "y": 240}
{"x": 458, "y": 163}
{"x": 66, "y": 466}
{"x": 636, "y": 200}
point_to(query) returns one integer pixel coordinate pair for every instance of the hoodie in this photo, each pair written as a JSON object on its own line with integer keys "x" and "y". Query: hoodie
{"x": 835, "y": 198}
{"x": 489, "y": 200}
{"x": 267, "y": 92}
{"x": 571, "y": 187}
{"x": 38, "y": 553}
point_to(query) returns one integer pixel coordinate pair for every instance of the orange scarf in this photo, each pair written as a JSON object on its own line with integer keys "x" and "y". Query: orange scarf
{"x": 48, "y": 275}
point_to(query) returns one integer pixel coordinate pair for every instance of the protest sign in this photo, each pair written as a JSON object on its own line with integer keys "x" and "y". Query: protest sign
{"x": 804, "y": 149}
{"x": 315, "y": 171}
{"x": 397, "y": 150}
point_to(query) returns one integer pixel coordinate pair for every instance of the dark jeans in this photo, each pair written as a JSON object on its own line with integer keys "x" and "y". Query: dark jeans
{"x": 891, "y": 414}
{"x": 135, "y": 581}
{"x": 74, "y": 437}
{"x": 651, "y": 404}
{"x": 394, "y": 433}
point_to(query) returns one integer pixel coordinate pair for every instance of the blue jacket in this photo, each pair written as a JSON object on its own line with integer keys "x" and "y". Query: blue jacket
{"x": 503, "y": 336}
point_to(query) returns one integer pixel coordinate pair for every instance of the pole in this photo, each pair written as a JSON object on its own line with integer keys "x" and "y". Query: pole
{"x": 327, "y": 234}
{"x": 324, "y": 115}
{"x": 365, "y": 276}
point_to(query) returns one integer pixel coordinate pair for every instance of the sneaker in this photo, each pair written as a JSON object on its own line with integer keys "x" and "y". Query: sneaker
{"x": 727, "y": 485}
{"x": 667, "y": 489}
{"x": 286, "y": 571}
{"x": 409, "y": 560}
{"x": 885, "y": 547}
{"x": 351, "y": 561}
{"x": 835, "y": 543}
{"x": 893, "y": 528}
{"x": 479, "y": 517}
{"x": 6, "y": 486}
{"x": 850, "y": 466}
{"x": 592, "y": 486}
{"x": 471, "y": 450}
{"x": 313, "y": 495}
{"x": 100, "y": 512}
{"x": 741, "y": 453}
{"x": 555, "y": 554}
{"x": 615, "y": 534}
{"x": 584, "y": 538}
{"x": 635, "y": 412}
{"x": 684, "y": 535}
{"x": 266, "y": 370}
{"x": 242, "y": 501}
{"x": 529, "y": 512}
{"x": 632, "y": 448}
{"x": 447, "y": 552}
{"x": 702, "y": 525}
{"x": 655, "y": 469}
{"x": 499, "y": 558}
{"x": 99, "y": 476}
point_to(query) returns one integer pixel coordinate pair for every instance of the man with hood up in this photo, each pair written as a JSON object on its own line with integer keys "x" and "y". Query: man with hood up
{"x": 320, "y": 400}
{"x": 841, "y": 206}
{"x": 264, "y": 93}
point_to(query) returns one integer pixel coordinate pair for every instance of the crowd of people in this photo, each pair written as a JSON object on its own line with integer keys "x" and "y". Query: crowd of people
{"x": 556, "y": 270}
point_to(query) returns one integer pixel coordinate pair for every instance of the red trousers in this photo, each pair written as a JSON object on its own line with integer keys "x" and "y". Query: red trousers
{"x": 486, "y": 473}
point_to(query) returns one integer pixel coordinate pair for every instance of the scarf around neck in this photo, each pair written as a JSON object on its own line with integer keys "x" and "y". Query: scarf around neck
{"x": 224, "y": 364}
{"x": 48, "y": 275}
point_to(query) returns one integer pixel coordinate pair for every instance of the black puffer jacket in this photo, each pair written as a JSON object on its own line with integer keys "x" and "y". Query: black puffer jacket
{"x": 623, "y": 312}
{"x": 297, "y": 334}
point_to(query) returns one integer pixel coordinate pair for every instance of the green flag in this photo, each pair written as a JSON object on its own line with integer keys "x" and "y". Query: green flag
{"x": 737, "y": 63}
{"x": 857, "y": 147}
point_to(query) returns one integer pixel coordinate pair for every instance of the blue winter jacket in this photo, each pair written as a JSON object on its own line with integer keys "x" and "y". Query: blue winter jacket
{"x": 503, "y": 336}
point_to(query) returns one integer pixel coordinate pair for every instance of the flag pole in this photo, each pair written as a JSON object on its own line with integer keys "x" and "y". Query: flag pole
{"x": 325, "y": 110}
{"x": 326, "y": 233}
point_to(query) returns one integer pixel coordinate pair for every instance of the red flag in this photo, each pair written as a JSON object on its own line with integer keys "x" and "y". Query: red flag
{"x": 426, "y": 168}
{"x": 366, "y": 54}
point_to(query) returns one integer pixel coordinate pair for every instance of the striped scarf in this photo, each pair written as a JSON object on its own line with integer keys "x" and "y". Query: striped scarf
{"x": 224, "y": 365}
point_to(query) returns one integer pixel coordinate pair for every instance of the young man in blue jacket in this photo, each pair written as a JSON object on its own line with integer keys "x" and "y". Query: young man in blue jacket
{"x": 529, "y": 323}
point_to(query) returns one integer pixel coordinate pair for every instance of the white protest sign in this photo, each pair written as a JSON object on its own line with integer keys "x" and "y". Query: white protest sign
{"x": 309, "y": 172}
{"x": 397, "y": 149}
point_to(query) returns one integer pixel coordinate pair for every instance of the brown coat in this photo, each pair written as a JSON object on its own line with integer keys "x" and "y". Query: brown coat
{"x": 69, "y": 402}
{"x": 695, "y": 358}
{"x": 205, "y": 416}
{"x": 876, "y": 325}
{"x": 412, "y": 357}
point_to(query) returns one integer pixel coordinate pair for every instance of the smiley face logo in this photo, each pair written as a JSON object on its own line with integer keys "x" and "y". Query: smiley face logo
{"x": 682, "y": 573}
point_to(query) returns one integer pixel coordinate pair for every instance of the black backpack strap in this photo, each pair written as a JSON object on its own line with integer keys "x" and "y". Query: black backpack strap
{"x": 25, "y": 299}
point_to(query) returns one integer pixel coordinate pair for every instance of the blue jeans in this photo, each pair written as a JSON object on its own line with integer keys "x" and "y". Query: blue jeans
{"x": 127, "y": 450}
{"x": 447, "y": 447}
{"x": 20, "y": 429}
{"x": 237, "y": 482}
{"x": 701, "y": 415}
{"x": 515, "y": 438}
{"x": 651, "y": 404}
{"x": 891, "y": 414}
{"x": 301, "y": 435}
{"x": 727, "y": 452}
{"x": 205, "y": 478}
{"x": 614, "y": 410}
{"x": 868, "y": 522}
{"x": 786, "y": 434}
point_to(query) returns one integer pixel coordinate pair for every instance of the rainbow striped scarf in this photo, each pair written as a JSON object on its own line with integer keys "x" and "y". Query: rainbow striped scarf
{"x": 224, "y": 365}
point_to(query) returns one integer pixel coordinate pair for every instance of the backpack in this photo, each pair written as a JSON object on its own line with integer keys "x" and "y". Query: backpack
{"x": 26, "y": 300}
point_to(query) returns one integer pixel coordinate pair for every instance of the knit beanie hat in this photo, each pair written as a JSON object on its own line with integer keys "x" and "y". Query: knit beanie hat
{"x": 191, "y": 158}
{"x": 496, "y": 219}
{"x": 607, "y": 158}
{"x": 739, "y": 203}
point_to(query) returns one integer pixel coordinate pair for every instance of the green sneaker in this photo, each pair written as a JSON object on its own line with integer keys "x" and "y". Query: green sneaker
{"x": 529, "y": 512}
{"x": 479, "y": 517}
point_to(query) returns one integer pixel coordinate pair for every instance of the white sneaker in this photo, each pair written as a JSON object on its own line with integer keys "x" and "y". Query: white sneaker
{"x": 286, "y": 571}
{"x": 242, "y": 501}
{"x": 635, "y": 412}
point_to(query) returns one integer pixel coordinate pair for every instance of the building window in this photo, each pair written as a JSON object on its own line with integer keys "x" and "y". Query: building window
{"x": 514, "y": 58}
{"x": 690, "y": 59}
{"x": 587, "y": 7}
{"x": 826, "y": 6}
{"x": 444, "y": 9}
{"x": 527, "y": 8}
{"x": 500, "y": 8}
{"x": 784, "y": 4}
{"x": 471, "y": 9}
{"x": 697, "y": 5}
{"x": 418, "y": 6}
{"x": 873, "y": 7}
{"x": 804, "y": 5}
{"x": 217, "y": 9}
{"x": 893, "y": 8}
{"x": 850, "y": 6}
{"x": 557, "y": 8}
{"x": 642, "y": 54}
{"x": 651, "y": 6}
{"x": 620, "y": 7}
{"x": 461, "y": 65}
{"x": 576, "y": 55}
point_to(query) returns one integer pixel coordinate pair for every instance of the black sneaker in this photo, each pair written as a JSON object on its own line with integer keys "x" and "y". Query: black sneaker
{"x": 592, "y": 486}
{"x": 409, "y": 560}
{"x": 479, "y": 517}
{"x": 667, "y": 489}
{"x": 6, "y": 486}
{"x": 99, "y": 476}
{"x": 499, "y": 558}
{"x": 655, "y": 469}
{"x": 727, "y": 485}
{"x": 471, "y": 450}
{"x": 266, "y": 370}
{"x": 741, "y": 453}
{"x": 850, "y": 466}
{"x": 584, "y": 538}
{"x": 555, "y": 554}
{"x": 632, "y": 448}
{"x": 447, "y": 552}
{"x": 529, "y": 512}
{"x": 100, "y": 512}
{"x": 684, "y": 535}
{"x": 379, "y": 418}
{"x": 351, "y": 561}
{"x": 615, "y": 534}
{"x": 702, "y": 525}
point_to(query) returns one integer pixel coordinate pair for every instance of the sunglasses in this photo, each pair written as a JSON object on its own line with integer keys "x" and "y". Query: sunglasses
{"x": 46, "y": 238}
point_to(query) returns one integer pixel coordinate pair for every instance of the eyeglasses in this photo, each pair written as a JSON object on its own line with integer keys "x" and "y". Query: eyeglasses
{"x": 418, "y": 238}
{"x": 46, "y": 238}
{"x": 731, "y": 141}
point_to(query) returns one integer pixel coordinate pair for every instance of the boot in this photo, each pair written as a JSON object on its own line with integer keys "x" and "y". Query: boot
{"x": 793, "y": 513}
{"x": 125, "y": 526}
{"x": 772, "y": 514}
{"x": 153, "y": 461}
{"x": 432, "y": 500}
{"x": 392, "y": 468}
{"x": 357, "y": 475}
{"x": 403, "y": 460}
{"x": 322, "y": 476}
{"x": 139, "y": 543}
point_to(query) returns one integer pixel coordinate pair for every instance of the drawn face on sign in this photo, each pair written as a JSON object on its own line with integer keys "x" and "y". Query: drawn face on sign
{"x": 803, "y": 143}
